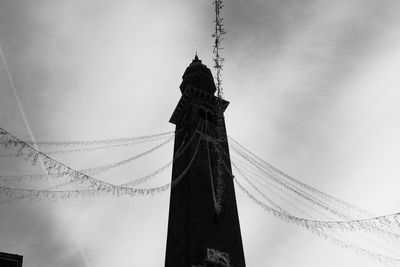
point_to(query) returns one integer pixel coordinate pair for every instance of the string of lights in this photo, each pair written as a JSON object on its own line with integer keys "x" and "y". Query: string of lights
{"x": 319, "y": 227}
{"x": 327, "y": 197}
{"x": 179, "y": 152}
{"x": 133, "y": 183}
{"x": 99, "y": 141}
{"x": 378, "y": 240}
{"x": 246, "y": 168}
{"x": 100, "y": 188}
{"x": 369, "y": 225}
{"x": 89, "y": 171}
{"x": 267, "y": 186}
{"x": 85, "y": 149}
{"x": 376, "y": 224}
{"x": 318, "y": 230}
{"x": 270, "y": 201}
{"x": 51, "y": 165}
{"x": 12, "y": 197}
{"x": 306, "y": 196}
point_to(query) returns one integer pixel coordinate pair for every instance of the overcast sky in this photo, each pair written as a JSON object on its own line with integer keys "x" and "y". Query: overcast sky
{"x": 313, "y": 86}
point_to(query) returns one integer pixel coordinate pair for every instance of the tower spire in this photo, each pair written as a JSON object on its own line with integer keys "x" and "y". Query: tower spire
{"x": 196, "y": 58}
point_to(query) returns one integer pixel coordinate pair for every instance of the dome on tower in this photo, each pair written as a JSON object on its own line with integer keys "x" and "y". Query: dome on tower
{"x": 199, "y": 76}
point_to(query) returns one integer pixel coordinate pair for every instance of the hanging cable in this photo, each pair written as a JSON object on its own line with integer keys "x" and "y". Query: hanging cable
{"x": 373, "y": 224}
{"x": 85, "y": 149}
{"x": 36, "y": 177}
{"x": 51, "y": 165}
{"x": 272, "y": 203}
{"x": 178, "y": 153}
{"x": 316, "y": 191}
{"x": 287, "y": 183}
{"x": 293, "y": 188}
{"x": 262, "y": 182}
{"x": 318, "y": 231}
{"x": 98, "y": 142}
{"x": 89, "y": 171}
{"x": 378, "y": 226}
{"x": 102, "y": 188}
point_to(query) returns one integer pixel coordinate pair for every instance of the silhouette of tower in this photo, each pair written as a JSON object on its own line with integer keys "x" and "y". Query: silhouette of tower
{"x": 203, "y": 226}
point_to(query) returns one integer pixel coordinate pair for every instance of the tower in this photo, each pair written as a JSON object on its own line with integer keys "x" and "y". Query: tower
{"x": 203, "y": 225}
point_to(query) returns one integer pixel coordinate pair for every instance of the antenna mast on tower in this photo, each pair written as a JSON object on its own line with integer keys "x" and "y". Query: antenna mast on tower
{"x": 219, "y": 32}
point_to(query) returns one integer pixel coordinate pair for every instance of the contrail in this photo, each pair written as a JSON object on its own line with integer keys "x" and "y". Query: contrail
{"x": 85, "y": 259}
{"x": 28, "y": 127}
{"x": 3, "y": 58}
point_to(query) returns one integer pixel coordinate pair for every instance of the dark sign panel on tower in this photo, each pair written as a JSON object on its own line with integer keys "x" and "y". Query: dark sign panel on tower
{"x": 10, "y": 260}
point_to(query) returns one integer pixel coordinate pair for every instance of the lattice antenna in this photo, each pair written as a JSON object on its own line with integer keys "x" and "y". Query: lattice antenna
{"x": 219, "y": 32}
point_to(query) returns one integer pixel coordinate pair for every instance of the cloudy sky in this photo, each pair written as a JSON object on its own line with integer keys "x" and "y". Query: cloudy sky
{"x": 313, "y": 86}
